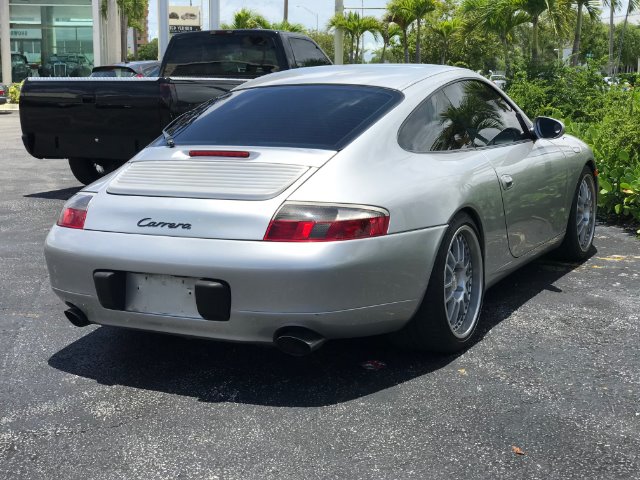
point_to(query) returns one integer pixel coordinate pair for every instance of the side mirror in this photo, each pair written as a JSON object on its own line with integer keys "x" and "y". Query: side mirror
{"x": 546, "y": 127}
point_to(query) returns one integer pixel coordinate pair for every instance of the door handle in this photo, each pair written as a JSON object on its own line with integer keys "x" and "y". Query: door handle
{"x": 507, "y": 181}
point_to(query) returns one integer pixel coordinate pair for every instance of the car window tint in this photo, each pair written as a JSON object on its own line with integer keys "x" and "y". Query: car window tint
{"x": 423, "y": 128}
{"x": 306, "y": 53}
{"x": 304, "y": 116}
{"x": 495, "y": 121}
{"x": 465, "y": 114}
{"x": 242, "y": 55}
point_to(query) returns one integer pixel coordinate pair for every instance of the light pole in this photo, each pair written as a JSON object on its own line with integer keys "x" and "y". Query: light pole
{"x": 311, "y": 12}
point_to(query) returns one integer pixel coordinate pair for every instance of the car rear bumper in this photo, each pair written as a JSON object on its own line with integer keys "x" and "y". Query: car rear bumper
{"x": 338, "y": 289}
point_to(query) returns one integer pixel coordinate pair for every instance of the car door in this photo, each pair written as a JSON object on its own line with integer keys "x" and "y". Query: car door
{"x": 532, "y": 174}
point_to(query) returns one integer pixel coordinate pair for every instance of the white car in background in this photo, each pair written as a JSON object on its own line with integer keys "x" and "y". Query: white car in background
{"x": 499, "y": 80}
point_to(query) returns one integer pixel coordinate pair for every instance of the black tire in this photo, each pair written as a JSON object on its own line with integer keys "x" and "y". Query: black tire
{"x": 88, "y": 170}
{"x": 578, "y": 238}
{"x": 430, "y": 328}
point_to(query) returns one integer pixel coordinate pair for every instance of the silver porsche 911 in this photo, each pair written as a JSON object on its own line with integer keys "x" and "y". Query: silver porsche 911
{"x": 324, "y": 203}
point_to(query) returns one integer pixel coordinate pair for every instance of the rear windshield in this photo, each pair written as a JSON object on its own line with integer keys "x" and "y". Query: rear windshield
{"x": 302, "y": 116}
{"x": 221, "y": 55}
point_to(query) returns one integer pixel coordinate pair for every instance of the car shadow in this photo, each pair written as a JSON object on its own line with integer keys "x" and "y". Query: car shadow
{"x": 341, "y": 371}
{"x": 61, "y": 194}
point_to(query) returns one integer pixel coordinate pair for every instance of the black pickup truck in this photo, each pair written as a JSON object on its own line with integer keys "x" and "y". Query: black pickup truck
{"x": 100, "y": 123}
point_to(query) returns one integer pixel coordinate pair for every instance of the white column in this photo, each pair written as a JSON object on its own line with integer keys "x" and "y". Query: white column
{"x": 338, "y": 37}
{"x": 214, "y": 14}
{"x": 97, "y": 32}
{"x": 5, "y": 41}
{"x": 163, "y": 27}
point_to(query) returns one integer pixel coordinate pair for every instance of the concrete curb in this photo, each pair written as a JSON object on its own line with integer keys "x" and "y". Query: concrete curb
{"x": 12, "y": 107}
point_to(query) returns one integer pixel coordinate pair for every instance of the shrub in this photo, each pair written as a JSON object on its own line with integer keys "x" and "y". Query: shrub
{"x": 14, "y": 92}
{"x": 606, "y": 118}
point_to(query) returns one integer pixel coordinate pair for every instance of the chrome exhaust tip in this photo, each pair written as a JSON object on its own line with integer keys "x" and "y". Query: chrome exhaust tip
{"x": 298, "y": 341}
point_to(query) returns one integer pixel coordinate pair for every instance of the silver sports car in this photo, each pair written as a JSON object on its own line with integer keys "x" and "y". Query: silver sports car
{"x": 324, "y": 203}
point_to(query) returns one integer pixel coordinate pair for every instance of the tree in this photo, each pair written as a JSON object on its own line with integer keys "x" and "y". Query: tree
{"x": 535, "y": 8}
{"x": 149, "y": 51}
{"x": 499, "y": 17}
{"x": 593, "y": 12}
{"x": 247, "y": 18}
{"x": 418, "y": 9}
{"x": 446, "y": 30}
{"x": 388, "y": 31}
{"x": 131, "y": 14}
{"x": 401, "y": 16}
{"x": 354, "y": 26}
{"x": 615, "y": 5}
{"x": 285, "y": 26}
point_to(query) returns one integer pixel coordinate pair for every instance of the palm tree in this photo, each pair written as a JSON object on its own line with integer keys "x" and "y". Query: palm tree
{"x": 419, "y": 9}
{"x": 447, "y": 30}
{"x": 499, "y": 17}
{"x": 403, "y": 18}
{"x": 593, "y": 11}
{"x": 354, "y": 27}
{"x": 247, "y": 18}
{"x": 285, "y": 26}
{"x": 534, "y": 8}
{"x": 387, "y": 30}
{"x": 613, "y": 6}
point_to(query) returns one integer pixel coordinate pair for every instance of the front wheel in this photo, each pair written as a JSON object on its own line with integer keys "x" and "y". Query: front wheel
{"x": 449, "y": 312}
{"x": 581, "y": 226}
{"x": 88, "y": 170}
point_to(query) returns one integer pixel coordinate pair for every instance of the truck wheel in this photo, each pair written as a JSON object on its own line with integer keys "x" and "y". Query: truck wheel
{"x": 88, "y": 170}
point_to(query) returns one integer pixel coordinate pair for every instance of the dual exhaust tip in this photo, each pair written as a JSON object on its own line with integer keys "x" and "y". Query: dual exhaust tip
{"x": 295, "y": 341}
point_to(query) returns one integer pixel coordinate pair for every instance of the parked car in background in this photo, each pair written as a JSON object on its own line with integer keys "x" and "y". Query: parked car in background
{"x": 3, "y": 94}
{"x": 327, "y": 203}
{"x": 66, "y": 65}
{"x": 147, "y": 68}
{"x": 499, "y": 80}
{"x": 19, "y": 67}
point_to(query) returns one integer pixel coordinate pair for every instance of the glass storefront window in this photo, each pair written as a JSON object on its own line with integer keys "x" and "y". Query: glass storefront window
{"x": 53, "y": 38}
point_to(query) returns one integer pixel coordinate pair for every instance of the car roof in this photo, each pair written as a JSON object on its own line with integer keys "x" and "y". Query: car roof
{"x": 396, "y": 76}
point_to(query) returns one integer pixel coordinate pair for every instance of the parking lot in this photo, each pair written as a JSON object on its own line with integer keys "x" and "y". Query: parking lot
{"x": 550, "y": 390}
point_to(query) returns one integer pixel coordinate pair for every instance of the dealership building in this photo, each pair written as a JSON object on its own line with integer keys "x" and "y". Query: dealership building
{"x": 56, "y": 37}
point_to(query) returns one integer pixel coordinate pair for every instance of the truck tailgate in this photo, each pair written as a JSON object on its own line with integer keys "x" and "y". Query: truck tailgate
{"x": 92, "y": 118}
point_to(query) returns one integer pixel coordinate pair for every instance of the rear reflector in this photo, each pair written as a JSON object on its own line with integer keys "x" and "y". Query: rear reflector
{"x": 74, "y": 212}
{"x": 298, "y": 222}
{"x": 218, "y": 153}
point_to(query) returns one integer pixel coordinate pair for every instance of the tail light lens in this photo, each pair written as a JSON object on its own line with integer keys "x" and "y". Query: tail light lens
{"x": 74, "y": 212}
{"x": 300, "y": 222}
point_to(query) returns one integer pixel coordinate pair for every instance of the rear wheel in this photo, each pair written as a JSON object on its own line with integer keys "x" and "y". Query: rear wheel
{"x": 582, "y": 219}
{"x": 88, "y": 170}
{"x": 449, "y": 313}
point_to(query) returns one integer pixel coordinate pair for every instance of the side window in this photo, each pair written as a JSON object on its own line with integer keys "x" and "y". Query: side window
{"x": 306, "y": 53}
{"x": 465, "y": 114}
{"x": 484, "y": 117}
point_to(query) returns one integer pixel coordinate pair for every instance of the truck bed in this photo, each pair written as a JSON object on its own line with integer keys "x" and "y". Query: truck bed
{"x": 106, "y": 118}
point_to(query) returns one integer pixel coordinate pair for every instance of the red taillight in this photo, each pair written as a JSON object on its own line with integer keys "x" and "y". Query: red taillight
{"x": 74, "y": 212}
{"x": 297, "y": 222}
{"x": 218, "y": 153}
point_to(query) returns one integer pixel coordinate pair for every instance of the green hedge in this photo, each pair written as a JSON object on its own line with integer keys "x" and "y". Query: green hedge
{"x": 605, "y": 117}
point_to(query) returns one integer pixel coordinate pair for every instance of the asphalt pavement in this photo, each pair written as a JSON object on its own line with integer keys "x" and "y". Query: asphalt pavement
{"x": 550, "y": 389}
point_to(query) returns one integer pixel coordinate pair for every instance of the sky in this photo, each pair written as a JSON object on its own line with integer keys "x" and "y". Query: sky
{"x": 300, "y": 11}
